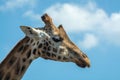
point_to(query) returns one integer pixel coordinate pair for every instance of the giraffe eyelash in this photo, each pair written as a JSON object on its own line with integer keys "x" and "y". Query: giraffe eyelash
{"x": 57, "y": 39}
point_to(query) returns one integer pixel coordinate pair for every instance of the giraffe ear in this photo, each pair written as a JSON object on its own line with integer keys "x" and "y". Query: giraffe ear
{"x": 62, "y": 32}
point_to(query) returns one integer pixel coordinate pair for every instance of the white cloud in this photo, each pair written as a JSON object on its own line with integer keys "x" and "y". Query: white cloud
{"x": 89, "y": 41}
{"x": 81, "y": 18}
{"x": 32, "y": 15}
{"x": 13, "y": 4}
{"x": 86, "y": 19}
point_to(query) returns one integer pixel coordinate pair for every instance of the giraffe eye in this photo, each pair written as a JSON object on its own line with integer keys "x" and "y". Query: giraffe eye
{"x": 57, "y": 39}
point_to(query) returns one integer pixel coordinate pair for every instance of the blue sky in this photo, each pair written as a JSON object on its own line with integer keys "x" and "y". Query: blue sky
{"x": 92, "y": 24}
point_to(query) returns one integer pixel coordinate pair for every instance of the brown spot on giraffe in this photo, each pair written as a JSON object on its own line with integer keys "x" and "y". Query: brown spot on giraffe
{"x": 18, "y": 67}
{"x": 12, "y": 60}
{"x": 24, "y": 59}
{"x": 39, "y": 53}
{"x": 55, "y": 50}
{"x": 28, "y": 54}
{"x": 40, "y": 45}
{"x": 1, "y": 74}
{"x": 34, "y": 51}
{"x": 21, "y": 48}
{"x": 25, "y": 48}
{"x": 7, "y": 77}
{"x": 23, "y": 68}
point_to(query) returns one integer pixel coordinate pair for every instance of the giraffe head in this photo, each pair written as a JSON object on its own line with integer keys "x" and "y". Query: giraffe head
{"x": 51, "y": 42}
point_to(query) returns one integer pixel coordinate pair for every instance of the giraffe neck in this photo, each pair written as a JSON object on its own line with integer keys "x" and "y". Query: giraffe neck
{"x": 18, "y": 60}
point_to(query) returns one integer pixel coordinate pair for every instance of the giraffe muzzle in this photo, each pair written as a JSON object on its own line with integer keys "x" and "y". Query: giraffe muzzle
{"x": 83, "y": 63}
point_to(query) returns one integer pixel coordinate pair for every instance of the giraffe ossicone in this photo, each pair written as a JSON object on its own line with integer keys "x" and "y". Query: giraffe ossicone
{"x": 48, "y": 42}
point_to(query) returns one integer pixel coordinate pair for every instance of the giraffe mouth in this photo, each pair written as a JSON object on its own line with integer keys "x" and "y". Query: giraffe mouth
{"x": 82, "y": 63}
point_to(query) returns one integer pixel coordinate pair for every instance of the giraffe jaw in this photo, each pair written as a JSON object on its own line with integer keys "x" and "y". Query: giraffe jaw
{"x": 83, "y": 63}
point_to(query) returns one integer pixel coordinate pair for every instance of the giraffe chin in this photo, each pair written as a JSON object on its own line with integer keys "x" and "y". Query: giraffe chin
{"x": 82, "y": 65}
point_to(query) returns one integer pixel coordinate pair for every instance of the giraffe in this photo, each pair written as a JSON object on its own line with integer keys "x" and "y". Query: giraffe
{"x": 48, "y": 42}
